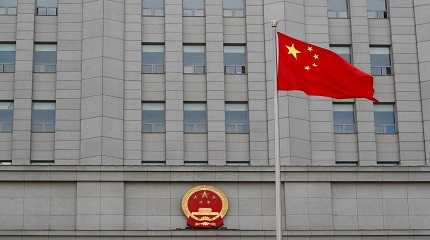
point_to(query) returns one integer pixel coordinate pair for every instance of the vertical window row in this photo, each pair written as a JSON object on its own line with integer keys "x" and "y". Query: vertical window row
{"x": 153, "y": 117}
{"x": 234, "y": 8}
{"x": 377, "y": 9}
{"x": 46, "y": 7}
{"x": 153, "y": 7}
{"x": 385, "y": 122}
{"x": 195, "y": 117}
{"x": 7, "y": 58}
{"x": 234, "y": 59}
{"x": 194, "y": 59}
{"x": 6, "y": 117}
{"x": 194, "y": 8}
{"x": 8, "y": 7}
{"x": 43, "y": 117}
{"x": 337, "y": 8}
{"x": 343, "y": 51}
{"x": 236, "y": 118}
{"x": 380, "y": 60}
{"x": 153, "y": 58}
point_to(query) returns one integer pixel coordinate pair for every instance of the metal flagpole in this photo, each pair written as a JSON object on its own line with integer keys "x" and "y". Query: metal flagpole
{"x": 278, "y": 208}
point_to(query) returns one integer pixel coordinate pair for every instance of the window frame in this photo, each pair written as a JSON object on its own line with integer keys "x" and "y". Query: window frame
{"x": 11, "y": 104}
{"x": 246, "y": 104}
{"x": 393, "y": 105}
{"x": 388, "y": 69}
{"x": 354, "y": 117}
{"x": 244, "y": 67}
{"x": 163, "y": 122}
{"x": 348, "y": 13}
{"x": 2, "y": 65}
{"x": 193, "y": 10}
{"x": 234, "y": 10}
{"x": 205, "y": 131}
{"x": 163, "y": 65}
{"x": 194, "y": 66}
{"x": 32, "y": 116}
{"x": 34, "y": 57}
{"x": 153, "y": 10}
{"x": 46, "y": 9}
{"x": 385, "y": 14}
{"x": 8, "y": 8}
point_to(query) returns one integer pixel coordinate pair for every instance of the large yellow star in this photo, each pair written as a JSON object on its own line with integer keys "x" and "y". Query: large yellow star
{"x": 292, "y": 50}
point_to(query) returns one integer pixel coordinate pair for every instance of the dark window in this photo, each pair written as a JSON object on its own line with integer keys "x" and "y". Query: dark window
{"x": 194, "y": 59}
{"x": 46, "y": 7}
{"x": 45, "y": 58}
{"x": 43, "y": 117}
{"x": 343, "y": 117}
{"x": 153, "y": 117}
{"x": 153, "y": 7}
{"x": 153, "y": 58}
{"x": 380, "y": 61}
{"x": 234, "y": 8}
{"x": 337, "y": 9}
{"x": 235, "y": 59}
{"x": 194, "y": 7}
{"x": 7, "y": 7}
{"x": 377, "y": 9}
{"x": 7, "y": 58}
{"x": 6, "y": 116}
{"x": 344, "y": 51}
{"x": 195, "y": 118}
{"x": 236, "y": 118}
{"x": 384, "y": 119}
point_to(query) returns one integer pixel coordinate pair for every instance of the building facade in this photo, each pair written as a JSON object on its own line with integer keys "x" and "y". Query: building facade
{"x": 110, "y": 110}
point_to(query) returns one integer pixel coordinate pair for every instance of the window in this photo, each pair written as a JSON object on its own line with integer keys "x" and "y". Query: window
{"x": 194, "y": 59}
{"x": 153, "y": 7}
{"x": 235, "y": 59}
{"x": 234, "y": 8}
{"x": 46, "y": 8}
{"x": 337, "y": 9}
{"x": 344, "y": 51}
{"x": 7, "y": 58}
{"x": 6, "y": 117}
{"x": 343, "y": 117}
{"x": 8, "y": 7}
{"x": 195, "y": 118}
{"x": 153, "y": 58}
{"x": 153, "y": 117}
{"x": 380, "y": 61}
{"x": 236, "y": 118}
{"x": 384, "y": 119}
{"x": 45, "y": 58}
{"x": 194, "y": 8}
{"x": 377, "y": 9}
{"x": 43, "y": 117}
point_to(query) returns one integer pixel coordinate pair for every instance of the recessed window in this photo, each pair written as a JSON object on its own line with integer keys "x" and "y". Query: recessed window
{"x": 194, "y": 8}
{"x": 43, "y": 117}
{"x": 45, "y": 58}
{"x": 6, "y": 117}
{"x": 343, "y": 118}
{"x": 7, "y": 58}
{"x": 385, "y": 119}
{"x": 343, "y": 51}
{"x": 195, "y": 118}
{"x": 7, "y": 7}
{"x": 46, "y": 7}
{"x": 377, "y": 9}
{"x": 153, "y": 117}
{"x": 153, "y": 7}
{"x": 236, "y": 118}
{"x": 234, "y": 8}
{"x": 152, "y": 58}
{"x": 380, "y": 61}
{"x": 337, "y": 8}
{"x": 194, "y": 59}
{"x": 235, "y": 59}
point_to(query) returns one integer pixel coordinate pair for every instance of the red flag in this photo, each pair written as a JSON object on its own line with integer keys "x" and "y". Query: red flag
{"x": 319, "y": 72}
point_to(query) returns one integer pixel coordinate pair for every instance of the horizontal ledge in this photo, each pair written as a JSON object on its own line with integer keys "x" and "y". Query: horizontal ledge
{"x": 213, "y": 233}
{"x": 212, "y": 173}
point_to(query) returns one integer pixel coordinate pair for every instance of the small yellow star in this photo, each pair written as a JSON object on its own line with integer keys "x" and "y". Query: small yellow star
{"x": 293, "y": 51}
{"x": 314, "y": 64}
{"x": 307, "y": 68}
{"x": 310, "y": 49}
{"x": 316, "y": 56}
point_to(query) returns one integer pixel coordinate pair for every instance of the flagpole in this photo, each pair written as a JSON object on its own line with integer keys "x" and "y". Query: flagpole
{"x": 278, "y": 207}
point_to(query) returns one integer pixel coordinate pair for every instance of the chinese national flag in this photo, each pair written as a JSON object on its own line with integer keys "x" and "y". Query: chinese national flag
{"x": 319, "y": 72}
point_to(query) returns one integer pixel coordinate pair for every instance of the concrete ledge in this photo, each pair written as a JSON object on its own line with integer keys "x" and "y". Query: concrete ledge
{"x": 212, "y": 174}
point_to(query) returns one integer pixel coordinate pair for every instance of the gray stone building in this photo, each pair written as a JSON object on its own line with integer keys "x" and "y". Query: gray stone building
{"x": 111, "y": 109}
